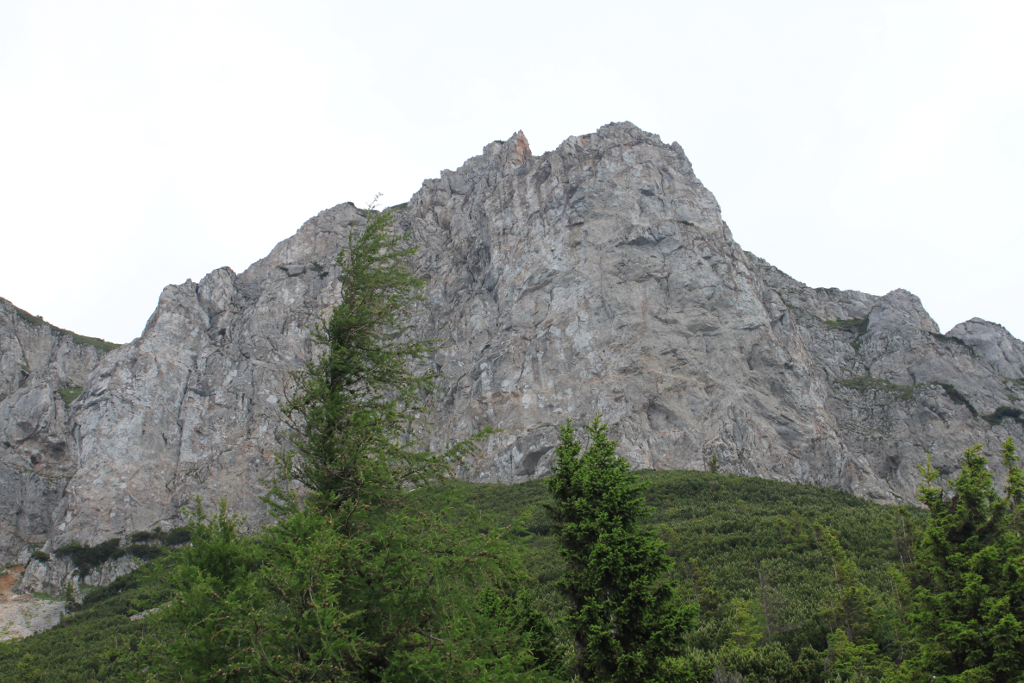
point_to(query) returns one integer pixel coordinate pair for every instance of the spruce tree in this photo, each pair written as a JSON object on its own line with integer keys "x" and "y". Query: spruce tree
{"x": 624, "y": 618}
{"x": 969, "y": 575}
{"x": 848, "y": 602}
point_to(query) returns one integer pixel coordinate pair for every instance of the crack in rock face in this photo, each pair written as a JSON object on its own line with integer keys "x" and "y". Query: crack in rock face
{"x": 598, "y": 278}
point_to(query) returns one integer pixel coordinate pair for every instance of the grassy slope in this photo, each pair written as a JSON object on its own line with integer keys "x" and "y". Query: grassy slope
{"x": 729, "y": 535}
{"x": 720, "y": 528}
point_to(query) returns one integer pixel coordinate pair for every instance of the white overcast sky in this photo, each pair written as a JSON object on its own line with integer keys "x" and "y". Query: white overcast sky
{"x": 861, "y": 145}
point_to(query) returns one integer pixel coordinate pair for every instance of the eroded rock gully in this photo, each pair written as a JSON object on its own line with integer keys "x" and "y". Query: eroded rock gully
{"x": 596, "y": 278}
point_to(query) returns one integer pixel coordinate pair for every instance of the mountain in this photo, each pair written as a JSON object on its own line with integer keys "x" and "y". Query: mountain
{"x": 42, "y": 370}
{"x": 596, "y": 278}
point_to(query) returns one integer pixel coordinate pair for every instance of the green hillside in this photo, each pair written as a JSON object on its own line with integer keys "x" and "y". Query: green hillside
{"x": 745, "y": 550}
{"x": 741, "y": 545}
{"x": 91, "y": 643}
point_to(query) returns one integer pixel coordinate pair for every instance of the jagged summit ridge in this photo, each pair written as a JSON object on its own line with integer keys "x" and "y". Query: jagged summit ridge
{"x": 598, "y": 277}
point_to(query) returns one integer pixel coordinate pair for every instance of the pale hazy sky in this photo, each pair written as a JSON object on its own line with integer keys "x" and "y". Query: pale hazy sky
{"x": 861, "y": 145}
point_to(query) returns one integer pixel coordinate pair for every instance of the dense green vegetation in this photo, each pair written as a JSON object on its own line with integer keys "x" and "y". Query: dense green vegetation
{"x": 746, "y": 552}
{"x": 968, "y": 608}
{"x": 718, "y": 528}
{"x": 94, "y": 642}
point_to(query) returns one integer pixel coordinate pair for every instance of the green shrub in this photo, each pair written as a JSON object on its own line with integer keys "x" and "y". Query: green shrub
{"x": 177, "y": 536}
{"x": 858, "y": 326}
{"x": 903, "y": 392}
{"x": 144, "y": 552}
{"x": 144, "y": 537}
{"x": 69, "y": 394}
{"x": 100, "y": 344}
{"x": 40, "y": 556}
{"x": 967, "y": 574}
{"x": 946, "y": 338}
{"x": 87, "y": 557}
{"x": 80, "y": 339}
{"x": 33, "y": 320}
{"x": 95, "y": 641}
{"x": 1004, "y": 412}
{"x": 736, "y": 539}
{"x": 726, "y": 532}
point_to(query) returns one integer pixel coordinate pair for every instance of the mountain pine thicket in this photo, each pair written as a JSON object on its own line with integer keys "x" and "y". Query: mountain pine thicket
{"x": 391, "y": 570}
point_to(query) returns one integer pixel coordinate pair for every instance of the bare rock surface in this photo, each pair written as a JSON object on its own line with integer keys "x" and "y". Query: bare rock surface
{"x": 596, "y": 278}
{"x": 42, "y": 368}
{"x": 23, "y": 615}
{"x": 192, "y": 407}
{"x": 55, "y": 575}
{"x": 600, "y": 278}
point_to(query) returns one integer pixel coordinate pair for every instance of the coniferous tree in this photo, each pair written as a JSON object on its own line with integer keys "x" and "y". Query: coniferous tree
{"x": 624, "y": 618}
{"x": 365, "y": 579}
{"x": 849, "y": 601}
{"x": 852, "y": 655}
{"x": 356, "y": 407}
{"x": 969, "y": 575}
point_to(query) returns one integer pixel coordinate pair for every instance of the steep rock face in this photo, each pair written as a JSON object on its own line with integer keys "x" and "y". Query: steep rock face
{"x": 600, "y": 278}
{"x": 37, "y": 362}
{"x": 993, "y": 344}
{"x": 192, "y": 407}
{"x": 596, "y": 278}
{"x": 898, "y": 388}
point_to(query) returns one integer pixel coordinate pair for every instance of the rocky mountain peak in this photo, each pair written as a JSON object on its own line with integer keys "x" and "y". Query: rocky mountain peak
{"x": 598, "y": 277}
{"x": 898, "y": 311}
{"x": 994, "y": 343}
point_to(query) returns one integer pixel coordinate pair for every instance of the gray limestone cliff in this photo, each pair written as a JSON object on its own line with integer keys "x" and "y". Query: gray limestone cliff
{"x": 596, "y": 278}
{"x": 600, "y": 278}
{"x": 42, "y": 369}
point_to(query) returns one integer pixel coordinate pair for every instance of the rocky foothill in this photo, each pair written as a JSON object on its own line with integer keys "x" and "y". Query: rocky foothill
{"x": 596, "y": 278}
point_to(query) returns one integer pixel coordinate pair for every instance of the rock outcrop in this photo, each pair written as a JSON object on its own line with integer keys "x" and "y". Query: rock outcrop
{"x": 596, "y": 278}
{"x": 600, "y": 278}
{"x": 192, "y": 407}
{"x": 42, "y": 369}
